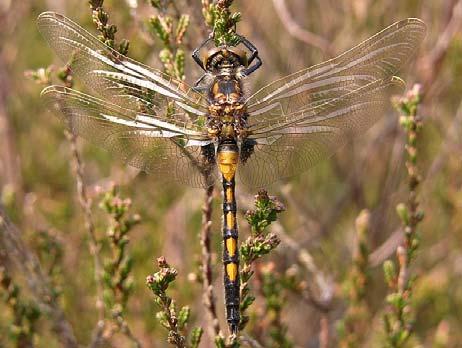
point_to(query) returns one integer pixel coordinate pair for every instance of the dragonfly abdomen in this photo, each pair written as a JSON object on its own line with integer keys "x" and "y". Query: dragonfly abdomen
{"x": 227, "y": 159}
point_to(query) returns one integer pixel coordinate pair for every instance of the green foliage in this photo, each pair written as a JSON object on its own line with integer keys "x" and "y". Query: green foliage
{"x": 51, "y": 252}
{"x": 107, "y": 31}
{"x": 266, "y": 211}
{"x": 257, "y": 245}
{"x": 220, "y": 342}
{"x": 273, "y": 294}
{"x": 399, "y": 320}
{"x": 389, "y": 269}
{"x": 171, "y": 32}
{"x": 117, "y": 268}
{"x": 222, "y": 21}
{"x": 168, "y": 316}
{"x": 196, "y": 336}
{"x": 352, "y": 328}
{"x": 162, "y": 27}
{"x": 25, "y": 314}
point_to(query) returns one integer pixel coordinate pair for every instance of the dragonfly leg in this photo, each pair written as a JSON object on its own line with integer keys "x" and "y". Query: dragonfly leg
{"x": 255, "y": 61}
{"x": 250, "y": 46}
{"x": 251, "y": 69}
{"x": 197, "y": 86}
{"x": 196, "y": 52}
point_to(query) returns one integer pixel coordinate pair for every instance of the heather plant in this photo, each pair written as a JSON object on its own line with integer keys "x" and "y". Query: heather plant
{"x": 175, "y": 321}
{"x": 352, "y": 328}
{"x": 258, "y": 244}
{"x": 24, "y": 314}
{"x": 118, "y": 283}
{"x": 171, "y": 31}
{"x": 399, "y": 320}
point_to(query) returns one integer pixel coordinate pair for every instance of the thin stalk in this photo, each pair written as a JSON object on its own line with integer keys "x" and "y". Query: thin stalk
{"x": 207, "y": 276}
{"x": 85, "y": 204}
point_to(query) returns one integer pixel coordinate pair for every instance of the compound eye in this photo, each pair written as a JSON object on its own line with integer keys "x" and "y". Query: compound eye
{"x": 209, "y": 57}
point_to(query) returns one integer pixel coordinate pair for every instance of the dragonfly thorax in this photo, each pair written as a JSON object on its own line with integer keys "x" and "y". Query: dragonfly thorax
{"x": 226, "y": 90}
{"x": 227, "y": 108}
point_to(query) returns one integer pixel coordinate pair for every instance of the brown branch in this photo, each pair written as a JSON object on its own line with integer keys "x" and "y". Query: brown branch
{"x": 324, "y": 331}
{"x": 451, "y": 139}
{"x": 25, "y": 260}
{"x": 298, "y": 32}
{"x": 250, "y": 341}
{"x": 387, "y": 248}
{"x": 433, "y": 62}
{"x": 9, "y": 156}
{"x": 85, "y": 204}
{"x": 323, "y": 284}
{"x": 207, "y": 277}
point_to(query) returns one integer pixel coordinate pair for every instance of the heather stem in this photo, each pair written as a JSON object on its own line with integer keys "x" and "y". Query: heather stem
{"x": 209, "y": 298}
{"x": 221, "y": 21}
{"x": 399, "y": 320}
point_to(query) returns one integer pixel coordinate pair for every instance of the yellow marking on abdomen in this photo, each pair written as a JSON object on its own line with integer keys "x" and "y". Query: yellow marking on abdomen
{"x": 227, "y": 164}
{"x": 231, "y": 271}
{"x": 230, "y": 220}
{"x": 229, "y": 195}
{"x": 231, "y": 246}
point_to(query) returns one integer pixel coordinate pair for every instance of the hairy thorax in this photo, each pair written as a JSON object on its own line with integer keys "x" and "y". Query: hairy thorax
{"x": 227, "y": 112}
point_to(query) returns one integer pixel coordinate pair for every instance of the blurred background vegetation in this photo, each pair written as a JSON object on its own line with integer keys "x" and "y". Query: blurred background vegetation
{"x": 300, "y": 287}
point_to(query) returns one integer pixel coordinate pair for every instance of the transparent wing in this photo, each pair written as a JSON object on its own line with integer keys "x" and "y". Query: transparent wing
{"x": 282, "y": 151}
{"x": 378, "y": 58}
{"x": 166, "y": 150}
{"x": 298, "y": 120}
{"x": 119, "y": 79}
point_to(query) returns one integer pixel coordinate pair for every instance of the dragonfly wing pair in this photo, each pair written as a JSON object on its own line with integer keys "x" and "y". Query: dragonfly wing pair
{"x": 150, "y": 120}
{"x": 167, "y": 153}
{"x": 158, "y": 124}
{"x": 302, "y": 118}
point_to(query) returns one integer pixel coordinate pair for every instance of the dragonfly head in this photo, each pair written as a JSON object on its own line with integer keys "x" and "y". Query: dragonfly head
{"x": 225, "y": 60}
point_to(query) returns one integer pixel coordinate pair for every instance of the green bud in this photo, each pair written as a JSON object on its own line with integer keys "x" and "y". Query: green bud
{"x": 166, "y": 56}
{"x": 395, "y": 299}
{"x": 162, "y": 318}
{"x": 390, "y": 272}
{"x": 183, "y": 316}
{"x": 415, "y": 244}
{"x": 159, "y": 29}
{"x": 403, "y": 213}
{"x": 247, "y": 302}
{"x": 196, "y": 335}
{"x": 420, "y": 215}
{"x": 123, "y": 47}
{"x": 219, "y": 342}
{"x": 403, "y": 336}
{"x": 155, "y": 4}
{"x": 179, "y": 64}
{"x": 181, "y": 28}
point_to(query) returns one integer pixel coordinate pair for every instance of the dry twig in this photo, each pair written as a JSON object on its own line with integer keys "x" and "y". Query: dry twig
{"x": 298, "y": 32}
{"x": 207, "y": 277}
{"x": 433, "y": 62}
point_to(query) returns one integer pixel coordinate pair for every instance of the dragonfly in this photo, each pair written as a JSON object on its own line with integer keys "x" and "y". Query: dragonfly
{"x": 215, "y": 131}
